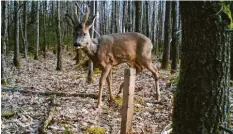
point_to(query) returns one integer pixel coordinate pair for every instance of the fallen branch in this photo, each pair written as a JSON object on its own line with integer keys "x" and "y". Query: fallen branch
{"x": 49, "y": 116}
{"x": 49, "y": 93}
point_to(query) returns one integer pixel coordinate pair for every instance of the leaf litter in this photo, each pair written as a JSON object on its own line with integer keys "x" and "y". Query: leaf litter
{"x": 76, "y": 114}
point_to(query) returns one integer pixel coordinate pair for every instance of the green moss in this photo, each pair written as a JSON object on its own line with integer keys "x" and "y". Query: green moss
{"x": 95, "y": 130}
{"x": 97, "y": 71}
{"x": 118, "y": 100}
{"x": 4, "y": 82}
{"x": 8, "y": 113}
{"x": 17, "y": 63}
{"x": 141, "y": 102}
{"x": 68, "y": 130}
{"x": 227, "y": 11}
{"x": 175, "y": 79}
{"x": 231, "y": 82}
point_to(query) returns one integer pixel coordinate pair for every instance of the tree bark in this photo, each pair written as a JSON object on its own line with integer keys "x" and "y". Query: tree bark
{"x": 167, "y": 29}
{"x": 174, "y": 42}
{"x": 201, "y": 102}
{"x": 25, "y": 10}
{"x": 59, "y": 45}
{"x": 44, "y": 27}
{"x": 37, "y": 31}
{"x": 4, "y": 27}
{"x": 16, "y": 59}
{"x": 138, "y": 17}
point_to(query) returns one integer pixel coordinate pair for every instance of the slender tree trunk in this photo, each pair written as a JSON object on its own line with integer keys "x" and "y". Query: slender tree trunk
{"x": 147, "y": 19}
{"x": 59, "y": 45}
{"x": 174, "y": 42}
{"x": 90, "y": 63}
{"x": 16, "y": 59}
{"x": 201, "y": 103}
{"x": 37, "y": 31}
{"x": 117, "y": 27}
{"x": 138, "y": 26}
{"x": 44, "y": 27}
{"x": 166, "y": 49}
{"x": 25, "y": 10}
{"x": 124, "y": 22}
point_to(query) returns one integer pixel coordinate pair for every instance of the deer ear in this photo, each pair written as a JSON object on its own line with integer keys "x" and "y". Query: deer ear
{"x": 90, "y": 21}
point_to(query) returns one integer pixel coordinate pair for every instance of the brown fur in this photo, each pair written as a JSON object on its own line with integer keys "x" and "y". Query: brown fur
{"x": 110, "y": 50}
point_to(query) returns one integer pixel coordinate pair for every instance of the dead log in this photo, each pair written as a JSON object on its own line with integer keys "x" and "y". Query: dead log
{"x": 49, "y": 93}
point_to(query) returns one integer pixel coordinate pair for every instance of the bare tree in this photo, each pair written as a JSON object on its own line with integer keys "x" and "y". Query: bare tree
{"x": 59, "y": 45}
{"x": 138, "y": 7}
{"x": 166, "y": 49}
{"x": 44, "y": 26}
{"x": 37, "y": 31}
{"x": 174, "y": 42}
{"x": 4, "y": 33}
{"x": 16, "y": 59}
{"x": 25, "y": 44}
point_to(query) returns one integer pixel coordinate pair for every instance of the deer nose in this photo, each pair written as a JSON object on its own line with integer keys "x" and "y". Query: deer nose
{"x": 76, "y": 44}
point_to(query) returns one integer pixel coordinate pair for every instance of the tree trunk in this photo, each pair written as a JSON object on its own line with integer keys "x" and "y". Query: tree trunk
{"x": 37, "y": 31}
{"x": 147, "y": 19}
{"x": 124, "y": 22}
{"x": 167, "y": 29}
{"x": 117, "y": 28}
{"x": 25, "y": 10}
{"x": 59, "y": 46}
{"x": 4, "y": 27}
{"x": 231, "y": 40}
{"x": 174, "y": 42}
{"x": 16, "y": 59}
{"x": 138, "y": 7}
{"x": 201, "y": 103}
{"x": 90, "y": 63}
{"x": 44, "y": 27}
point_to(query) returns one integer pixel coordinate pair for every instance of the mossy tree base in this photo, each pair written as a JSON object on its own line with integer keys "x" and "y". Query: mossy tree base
{"x": 17, "y": 63}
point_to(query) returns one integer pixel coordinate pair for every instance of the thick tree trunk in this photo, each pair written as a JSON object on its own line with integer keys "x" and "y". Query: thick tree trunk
{"x": 59, "y": 45}
{"x": 202, "y": 97}
{"x": 174, "y": 42}
{"x": 37, "y": 31}
{"x": 16, "y": 59}
{"x": 167, "y": 29}
{"x": 138, "y": 17}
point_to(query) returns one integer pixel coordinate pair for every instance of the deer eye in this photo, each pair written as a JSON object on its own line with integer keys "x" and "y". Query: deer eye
{"x": 84, "y": 34}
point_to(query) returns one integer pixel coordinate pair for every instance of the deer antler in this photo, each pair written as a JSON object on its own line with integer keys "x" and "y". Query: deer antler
{"x": 86, "y": 15}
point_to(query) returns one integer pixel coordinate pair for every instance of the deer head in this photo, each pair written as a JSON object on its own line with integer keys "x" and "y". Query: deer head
{"x": 81, "y": 36}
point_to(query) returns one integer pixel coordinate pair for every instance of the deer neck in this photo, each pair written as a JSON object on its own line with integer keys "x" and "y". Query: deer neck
{"x": 91, "y": 50}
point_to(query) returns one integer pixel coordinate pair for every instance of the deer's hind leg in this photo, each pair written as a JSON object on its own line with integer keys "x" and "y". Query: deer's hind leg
{"x": 153, "y": 69}
{"x": 138, "y": 68}
{"x": 109, "y": 81}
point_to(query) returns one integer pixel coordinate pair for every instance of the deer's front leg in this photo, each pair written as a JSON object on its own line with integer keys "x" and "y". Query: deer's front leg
{"x": 104, "y": 74}
{"x": 109, "y": 81}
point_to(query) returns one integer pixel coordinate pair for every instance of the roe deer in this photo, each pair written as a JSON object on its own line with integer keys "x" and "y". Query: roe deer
{"x": 110, "y": 50}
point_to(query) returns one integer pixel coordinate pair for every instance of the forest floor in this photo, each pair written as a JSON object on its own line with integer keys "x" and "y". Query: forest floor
{"x": 32, "y": 112}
